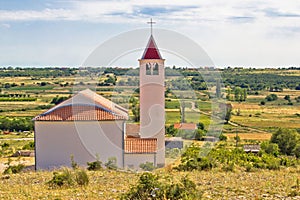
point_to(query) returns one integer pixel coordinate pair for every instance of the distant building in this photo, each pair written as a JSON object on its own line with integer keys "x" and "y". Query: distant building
{"x": 185, "y": 126}
{"x": 252, "y": 148}
{"x": 174, "y": 142}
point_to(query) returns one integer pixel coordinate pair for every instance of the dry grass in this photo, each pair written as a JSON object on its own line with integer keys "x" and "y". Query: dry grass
{"x": 262, "y": 184}
{"x": 257, "y": 185}
{"x": 251, "y": 136}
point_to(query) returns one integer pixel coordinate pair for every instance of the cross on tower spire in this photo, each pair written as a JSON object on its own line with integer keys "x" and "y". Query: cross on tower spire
{"x": 151, "y": 23}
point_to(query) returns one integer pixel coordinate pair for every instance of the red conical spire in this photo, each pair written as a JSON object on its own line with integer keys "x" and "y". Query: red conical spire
{"x": 151, "y": 51}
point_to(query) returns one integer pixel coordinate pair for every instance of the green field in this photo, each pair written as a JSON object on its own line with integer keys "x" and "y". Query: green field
{"x": 253, "y": 121}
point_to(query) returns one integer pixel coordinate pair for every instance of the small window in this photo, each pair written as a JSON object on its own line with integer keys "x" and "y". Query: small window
{"x": 155, "y": 70}
{"x": 152, "y": 69}
{"x": 148, "y": 69}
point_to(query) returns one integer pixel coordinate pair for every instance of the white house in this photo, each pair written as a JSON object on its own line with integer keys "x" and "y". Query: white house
{"x": 89, "y": 125}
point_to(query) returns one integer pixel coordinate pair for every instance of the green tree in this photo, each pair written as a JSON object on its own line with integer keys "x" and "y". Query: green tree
{"x": 245, "y": 94}
{"x": 170, "y": 130}
{"x": 200, "y": 125}
{"x": 199, "y": 134}
{"x": 228, "y": 111}
{"x": 271, "y": 97}
{"x": 237, "y": 92}
{"x": 240, "y": 94}
{"x": 270, "y": 148}
{"x": 228, "y": 96}
{"x": 297, "y": 151}
{"x": 287, "y": 97}
{"x": 287, "y": 140}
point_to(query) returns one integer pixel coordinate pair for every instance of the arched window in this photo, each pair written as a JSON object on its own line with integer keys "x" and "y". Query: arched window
{"x": 148, "y": 69}
{"x": 155, "y": 70}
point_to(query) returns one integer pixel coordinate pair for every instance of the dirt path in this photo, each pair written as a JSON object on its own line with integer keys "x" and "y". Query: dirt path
{"x": 16, "y": 139}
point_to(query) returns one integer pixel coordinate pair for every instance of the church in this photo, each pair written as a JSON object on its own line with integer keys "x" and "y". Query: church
{"x": 87, "y": 125}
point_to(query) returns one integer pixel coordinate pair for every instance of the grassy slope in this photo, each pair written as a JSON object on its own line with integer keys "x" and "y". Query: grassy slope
{"x": 110, "y": 184}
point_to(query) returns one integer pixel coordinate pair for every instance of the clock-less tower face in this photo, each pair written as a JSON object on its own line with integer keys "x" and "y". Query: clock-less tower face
{"x": 152, "y": 98}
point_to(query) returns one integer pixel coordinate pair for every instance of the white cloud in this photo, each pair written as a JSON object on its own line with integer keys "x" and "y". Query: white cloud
{"x": 5, "y": 25}
{"x": 232, "y": 31}
{"x": 175, "y": 9}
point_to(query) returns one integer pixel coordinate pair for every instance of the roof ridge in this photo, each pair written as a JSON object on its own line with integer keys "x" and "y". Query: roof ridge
{"x": 88, "y": 97}
{"x": 79, "y": 112}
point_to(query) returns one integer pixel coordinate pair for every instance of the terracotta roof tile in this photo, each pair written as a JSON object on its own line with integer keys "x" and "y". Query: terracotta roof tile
{"x": 78, "y": 113}
{"x": 140, "y": 145}
{"x": 103, "y": 102}
{"x": 86, "y": 105}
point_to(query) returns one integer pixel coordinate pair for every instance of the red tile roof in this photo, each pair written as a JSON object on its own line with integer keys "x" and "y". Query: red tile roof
{"x": 86, "y": 105}
{"x": 78, "y": 113}
{"x": 151, "y": 51}
{"x": 103, "y": 102}
{"x": 185, "y": 126}
{"x": 140, "y": 145}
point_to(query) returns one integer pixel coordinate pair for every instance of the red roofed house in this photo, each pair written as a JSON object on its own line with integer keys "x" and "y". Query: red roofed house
{"x": 185, "y": 126}
{"x": 88, "y": 125}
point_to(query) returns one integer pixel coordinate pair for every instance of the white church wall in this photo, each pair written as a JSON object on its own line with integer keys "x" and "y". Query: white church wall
{"x": 133, "y": 160}
{"x": 57, "y": 141}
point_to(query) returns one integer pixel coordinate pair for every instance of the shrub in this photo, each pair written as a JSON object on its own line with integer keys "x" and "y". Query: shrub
{"x": 111, "y": 163}
{"x": 62, "y": 178}
{"x": 222, "y": 137}
{"x": 205, "y": 164}
{"x": 271, "y": 97}
{"x": 14, "y": 169}
{"x": 28, "y": 146}
{"x": 58, "y": 100}
{"x": 147, "y": 187}
{"x": 286, "y": 139}
{"x": 185, "y": 189}
{"x": 228, "y": 167}
{"x": 67, "y": 177}
{"x": 198, "y": 134}
{"x": 5, "y": 145}
{"x": 200, "y": 125}
{"x": 297, "y": 151}
{"x": 194, "y": 159}
{"x": 173, "y": 153}
{"x": 170, "y": 130}
{"x": 81, "y": 177}
{"x": 287, "y": 97}
{"x": 270, "y": 148}
{"x": 150, "y": 186}
{"x": 271, "y": 162}
{"x": 248, "y": 167}
{"x": 148, "y": 166}
{"x": 73, "y": 163}
{"x": 94, "y": 166}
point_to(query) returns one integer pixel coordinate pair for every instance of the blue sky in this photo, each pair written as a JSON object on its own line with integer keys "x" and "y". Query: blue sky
{"x": 256, "y": 33}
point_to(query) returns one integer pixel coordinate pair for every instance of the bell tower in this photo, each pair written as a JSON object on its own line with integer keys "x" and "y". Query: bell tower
{"x": 152, "y": 98}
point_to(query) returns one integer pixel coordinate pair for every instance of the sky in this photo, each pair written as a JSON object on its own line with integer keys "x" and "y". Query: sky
{"x": 247, "y": 33}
